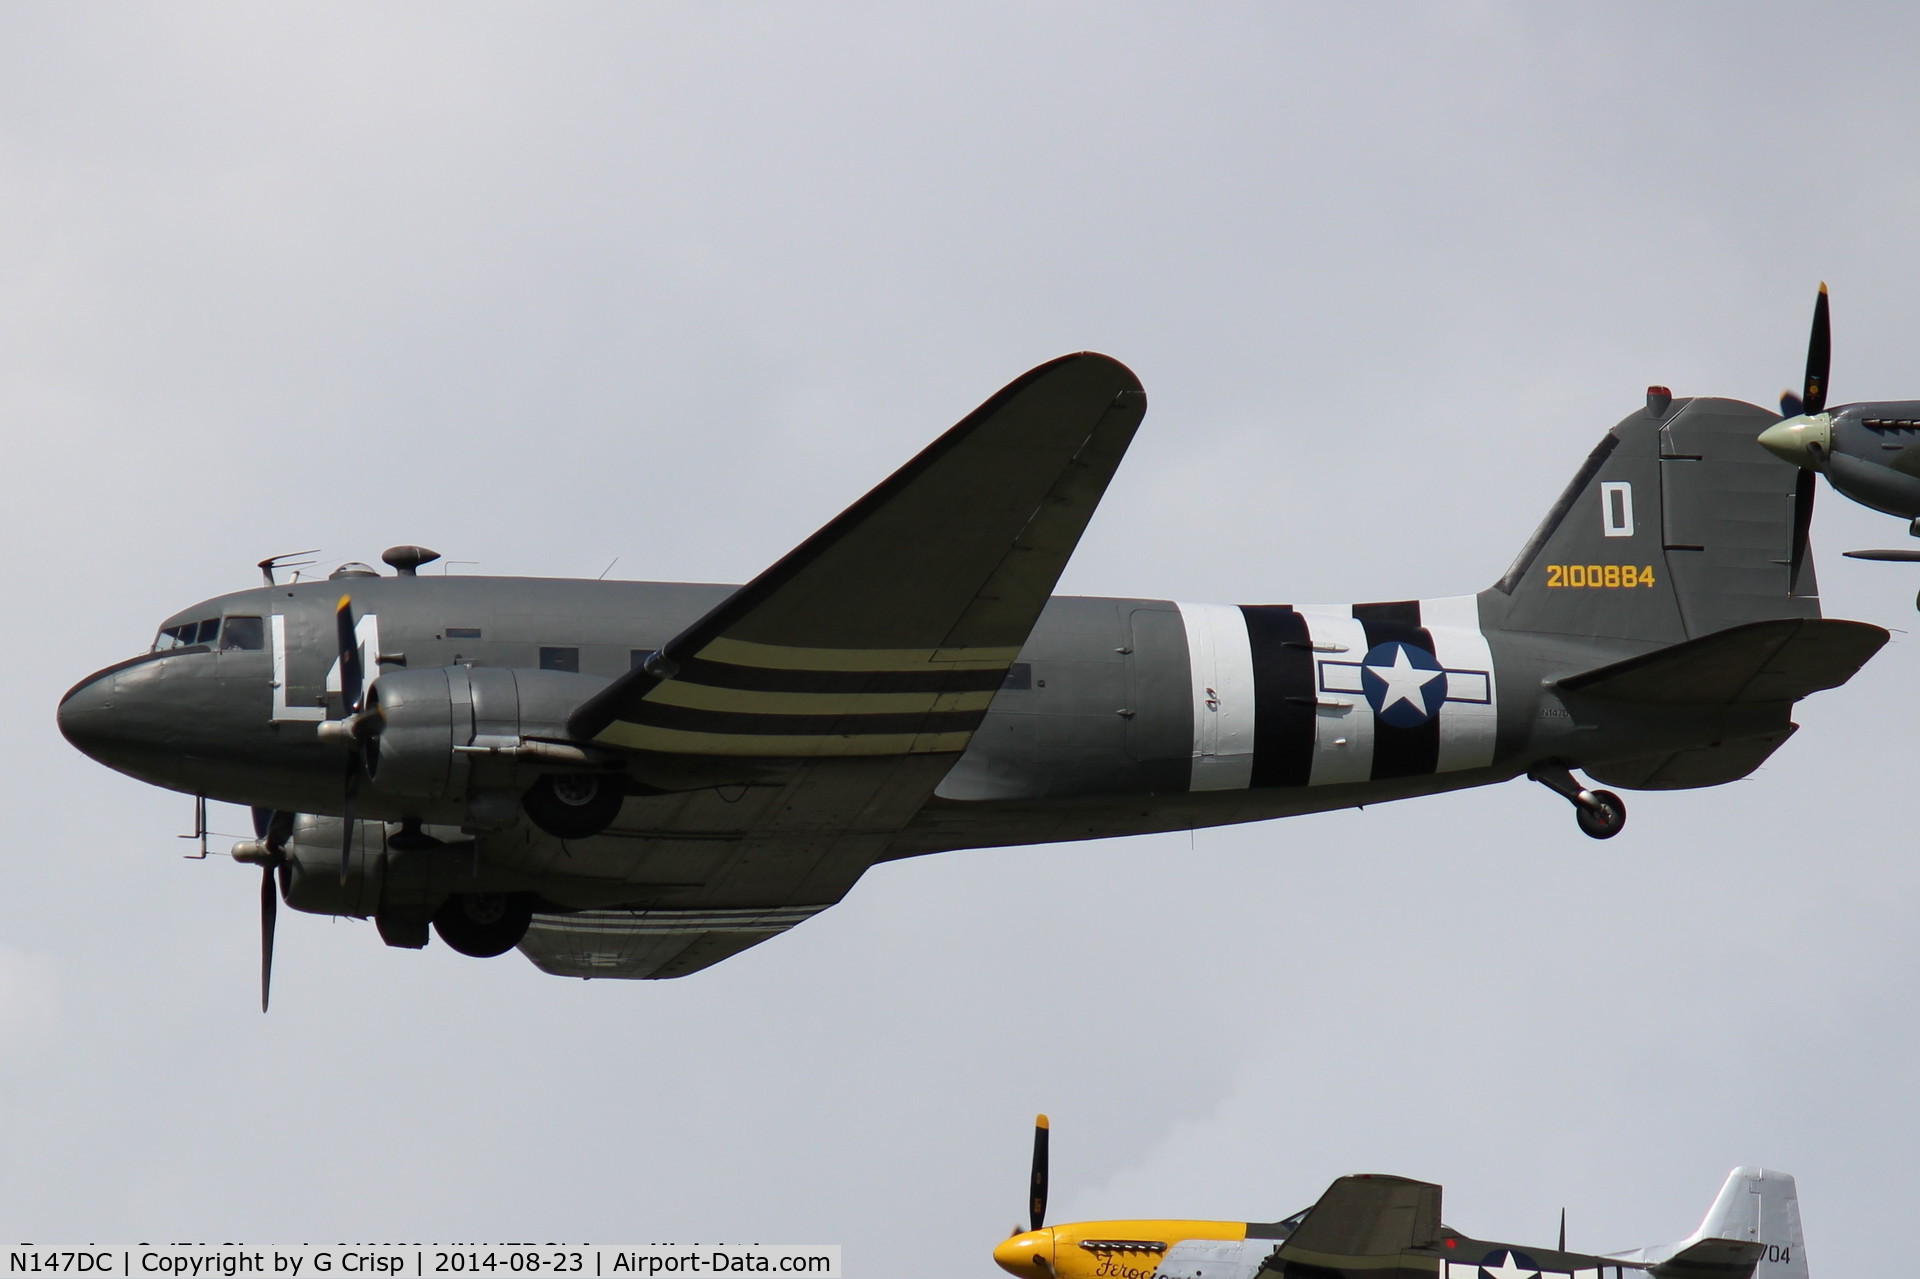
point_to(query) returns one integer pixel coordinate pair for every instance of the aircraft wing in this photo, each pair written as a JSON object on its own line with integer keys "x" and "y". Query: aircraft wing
{"x": 1371, "y": 1215}
{"x": 888, "y": 631}
{"x": 1781, "y": 660}
{"x": 800, "y": 725}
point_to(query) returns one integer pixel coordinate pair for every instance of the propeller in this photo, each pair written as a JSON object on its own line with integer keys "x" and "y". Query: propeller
{"x": 273, "y": 828}
{"x": 352, "y": 690}
{"x": 1803, "y": 437}
{"x": 1812, "y": 397}
{"x": 1037, "y": 1192}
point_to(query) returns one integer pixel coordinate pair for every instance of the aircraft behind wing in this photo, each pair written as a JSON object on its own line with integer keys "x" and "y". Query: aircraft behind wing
{"x": 640, "y": 779}
{"x": 1375, "y": 1226}
{"x": 1869, "y": 452}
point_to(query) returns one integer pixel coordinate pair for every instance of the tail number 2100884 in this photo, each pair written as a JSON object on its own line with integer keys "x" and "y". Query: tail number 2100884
{"x": 1606, "y": 576}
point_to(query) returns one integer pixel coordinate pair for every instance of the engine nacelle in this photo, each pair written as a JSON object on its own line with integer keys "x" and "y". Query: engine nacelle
{"x": 450, "y": 733}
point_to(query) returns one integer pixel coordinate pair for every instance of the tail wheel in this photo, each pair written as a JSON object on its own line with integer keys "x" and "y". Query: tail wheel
{"x": 484, "y": 924}
{"x": 1601, "y": 814}
{"x": 575, "y": 805}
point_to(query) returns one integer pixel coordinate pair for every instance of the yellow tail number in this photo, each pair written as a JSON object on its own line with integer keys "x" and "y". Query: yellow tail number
{"x": 1600, "y": 576}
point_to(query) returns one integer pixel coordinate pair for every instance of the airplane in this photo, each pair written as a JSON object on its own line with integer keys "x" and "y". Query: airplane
{"x": 1375, "y": 1226}
{"x": 1869, "y": 452}
{"x": 641, "y": 779}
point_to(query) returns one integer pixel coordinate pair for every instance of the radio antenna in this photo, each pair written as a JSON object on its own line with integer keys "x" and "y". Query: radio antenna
{"x": 284, "y": 560}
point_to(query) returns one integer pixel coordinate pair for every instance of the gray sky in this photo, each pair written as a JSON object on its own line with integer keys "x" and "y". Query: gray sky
{"x": 539, "y": 286}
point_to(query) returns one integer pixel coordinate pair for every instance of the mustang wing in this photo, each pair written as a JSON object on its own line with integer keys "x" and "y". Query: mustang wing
{"x": 1365, "y": 1216}
{"x": 888, "y": 631}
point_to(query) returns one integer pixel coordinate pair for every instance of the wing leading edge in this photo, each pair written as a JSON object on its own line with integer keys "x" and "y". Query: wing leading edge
{"x": 887, "y": 632}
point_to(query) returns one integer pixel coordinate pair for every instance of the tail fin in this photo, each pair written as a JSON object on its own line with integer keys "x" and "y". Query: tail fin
{"x": 1757, "y": 1208}
{"x": 1678, "y": 525}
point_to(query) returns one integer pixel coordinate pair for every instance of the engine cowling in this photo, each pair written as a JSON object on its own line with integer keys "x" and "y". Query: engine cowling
{"x": 466, "y": 742}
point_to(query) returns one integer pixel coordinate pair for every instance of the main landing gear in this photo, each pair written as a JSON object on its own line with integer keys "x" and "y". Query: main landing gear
{"x": 484, "y": 924}
{"x": 1600, "y": 813}
{"x": 575, "y": 805}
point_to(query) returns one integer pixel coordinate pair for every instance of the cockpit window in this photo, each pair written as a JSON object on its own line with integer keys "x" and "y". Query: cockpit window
{"x": 187, "y": 634}
{"x": 243, "y": 632}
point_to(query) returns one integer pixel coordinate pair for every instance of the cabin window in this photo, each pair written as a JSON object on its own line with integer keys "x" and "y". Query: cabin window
{"x": 1019, "y": 676}
{"x": 560, "y": 659}
{"x": 243, "y": 633}
{"x": 463, "y": 632}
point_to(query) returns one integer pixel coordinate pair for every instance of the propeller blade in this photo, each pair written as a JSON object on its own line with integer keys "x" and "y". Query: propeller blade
{"x": 262, "y": 818}
{"x": 1037, "y": 1196}
{"x": 269, "y": 912}
{"x": 1804, "y": 490}
{"x": 1819, "y": 353}
{"x": 1790, "y": 404}
{"x": 348, "y": 816}
{"x": 351, "y": 676}
{"x": 1563, "y": 1230}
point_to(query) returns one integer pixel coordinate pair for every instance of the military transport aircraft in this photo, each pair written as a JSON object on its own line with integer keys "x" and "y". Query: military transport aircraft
{"x": 640, "y": 779}
{"x": 1381, "y": 1227}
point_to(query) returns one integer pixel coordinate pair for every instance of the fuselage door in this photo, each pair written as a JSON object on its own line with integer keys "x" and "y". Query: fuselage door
{"x": 1160, "y": 724}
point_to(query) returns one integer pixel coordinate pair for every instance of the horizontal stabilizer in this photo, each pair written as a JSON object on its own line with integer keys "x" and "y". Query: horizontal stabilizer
{"x": 1712, "y": 1259}
{"x": 1713, "y": 765}
{"x": 888, "y": 632}
{"x": 1366, "y": 1216}
{"x": 1773, "y": 661}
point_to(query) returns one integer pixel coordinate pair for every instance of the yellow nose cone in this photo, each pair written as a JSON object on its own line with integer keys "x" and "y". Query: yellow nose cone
{"x": 1803, "y": 441}
{"x": 1030, "y": 1255}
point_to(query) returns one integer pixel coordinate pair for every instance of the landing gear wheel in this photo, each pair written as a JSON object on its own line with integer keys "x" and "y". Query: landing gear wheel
{"x": 1602, "y": 814}
{"x": 575, "y": 805}
{"x": 483, "y": 924}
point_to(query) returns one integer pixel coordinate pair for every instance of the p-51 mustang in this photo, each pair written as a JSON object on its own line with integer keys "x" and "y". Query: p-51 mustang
{"x": 638, "y": 779}
{"x": 1380, "y": 1227}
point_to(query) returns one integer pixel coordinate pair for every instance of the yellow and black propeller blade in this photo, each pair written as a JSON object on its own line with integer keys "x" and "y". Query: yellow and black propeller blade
{"x": 1037, "y": 1196}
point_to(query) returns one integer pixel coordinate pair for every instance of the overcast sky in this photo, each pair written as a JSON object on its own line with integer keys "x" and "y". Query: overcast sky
{"x": 542, "y": 286}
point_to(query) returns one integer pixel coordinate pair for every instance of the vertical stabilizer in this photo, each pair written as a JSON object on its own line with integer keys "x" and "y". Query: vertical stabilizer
{"x": 1756, "y": 1205}
{"x": 1679, "y": 525}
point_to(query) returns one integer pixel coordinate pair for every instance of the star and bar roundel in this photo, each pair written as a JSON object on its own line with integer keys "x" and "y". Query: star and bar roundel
{"x": 1404, "y": 683}
{"x": 1510, "y": 1263}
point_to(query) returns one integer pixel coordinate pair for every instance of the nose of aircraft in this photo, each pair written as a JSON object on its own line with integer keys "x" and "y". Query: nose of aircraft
{"x": 1029, "y": 1255}
{"x": 86, "y": 715}
{"x": 1803, "y": 441}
